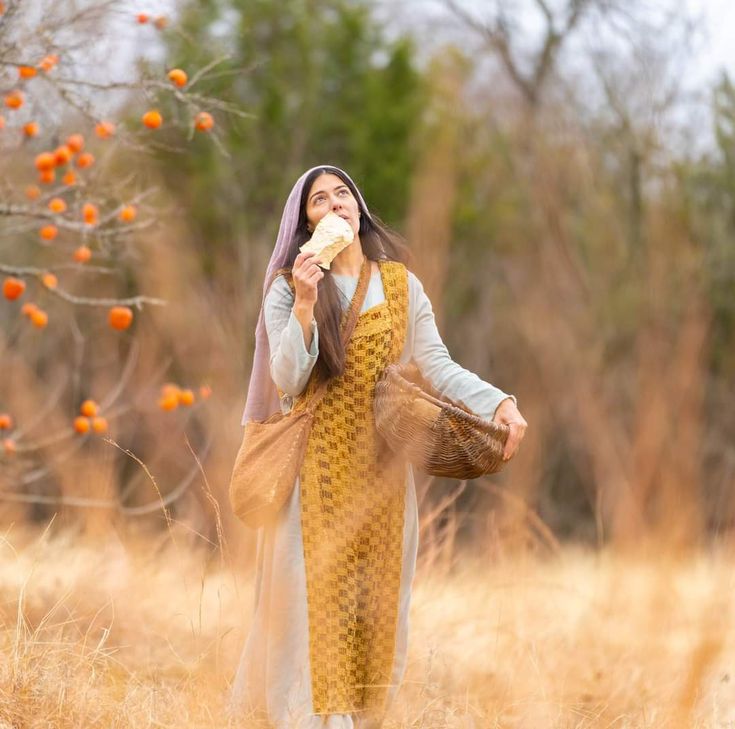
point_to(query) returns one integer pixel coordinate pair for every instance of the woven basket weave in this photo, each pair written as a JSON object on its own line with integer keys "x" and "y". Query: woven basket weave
{"x": 435, "y": 434}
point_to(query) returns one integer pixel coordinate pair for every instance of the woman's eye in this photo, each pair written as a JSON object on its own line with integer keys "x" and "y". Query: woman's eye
{"x": 343, "y": 192}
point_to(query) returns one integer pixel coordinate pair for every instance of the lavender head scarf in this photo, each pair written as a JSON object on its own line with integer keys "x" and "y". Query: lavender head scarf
{"x": 262, "y": 399}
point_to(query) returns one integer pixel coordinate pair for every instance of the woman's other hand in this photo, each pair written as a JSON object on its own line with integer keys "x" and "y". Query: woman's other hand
{"x": 508, "y": 414}
{"x": 306, "y": 277}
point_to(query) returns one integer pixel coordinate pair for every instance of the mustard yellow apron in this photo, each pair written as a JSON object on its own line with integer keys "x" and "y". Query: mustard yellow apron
{"x": 352, "y": 501}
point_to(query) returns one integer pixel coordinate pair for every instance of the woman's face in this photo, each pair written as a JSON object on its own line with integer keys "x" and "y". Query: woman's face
{"x": 329, "y": 192}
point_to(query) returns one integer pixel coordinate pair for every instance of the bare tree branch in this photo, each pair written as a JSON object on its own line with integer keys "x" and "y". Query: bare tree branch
{"x": 85, "y": 502}
{"x": 498, "y": 36}
{"x": 136, "y": 301}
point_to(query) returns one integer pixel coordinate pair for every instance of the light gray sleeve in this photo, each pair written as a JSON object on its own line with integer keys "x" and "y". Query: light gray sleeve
{"x": 432, "y": 358}
{"x": 291, "y": 363}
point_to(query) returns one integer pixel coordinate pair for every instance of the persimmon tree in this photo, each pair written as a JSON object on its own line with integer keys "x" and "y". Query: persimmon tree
{"x": 73, "y": 207}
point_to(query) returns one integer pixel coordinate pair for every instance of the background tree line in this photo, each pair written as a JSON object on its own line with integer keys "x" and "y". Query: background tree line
{"x": 570, "y": 216}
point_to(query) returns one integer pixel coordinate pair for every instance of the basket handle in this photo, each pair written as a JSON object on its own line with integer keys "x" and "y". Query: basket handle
{"x": 487, "y": 425}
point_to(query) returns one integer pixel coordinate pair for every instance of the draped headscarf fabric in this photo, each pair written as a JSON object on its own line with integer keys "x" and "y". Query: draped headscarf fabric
{"x": 262, "y": 398}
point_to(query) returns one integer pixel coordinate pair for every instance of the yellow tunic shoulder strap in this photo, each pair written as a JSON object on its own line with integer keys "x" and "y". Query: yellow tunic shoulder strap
{"x": 395, "y": 283}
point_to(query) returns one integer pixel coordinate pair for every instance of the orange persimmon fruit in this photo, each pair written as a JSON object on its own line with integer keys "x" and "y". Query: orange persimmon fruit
{"x": 75, "y": 142}
{"x": 168, "y": 402}
{"x": 39, "y": 318}
{"x": 90, "y": 213}
{"x": 178, "y": 77}
{"x": 48, "y": 232}
{"x": 88, "y": 408}
{"x": 152, "y": 119}
{"x": 49, "y": 280}
{"x": 45, "y": 161}
{"x": 14, "y": 99}
{"x": 186, "y": 397}
{"x": 62, "y": 155}
{"x": 57, "y": 205}
{"x": 128, "y": 214}
{"x": 48, "y": 62}
{"x": 84, "y": 160}
{"x": 82, "y": 254}
{"x": 13, "y": 288}
{"x": 104, "y": 129}
{"x": 120, "y": 317}
{"x": 203, "y": 121}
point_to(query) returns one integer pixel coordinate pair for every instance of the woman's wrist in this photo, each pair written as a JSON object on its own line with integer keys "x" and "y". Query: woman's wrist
{"x": 506, "y": 405}
{"x": 303, "y": 310}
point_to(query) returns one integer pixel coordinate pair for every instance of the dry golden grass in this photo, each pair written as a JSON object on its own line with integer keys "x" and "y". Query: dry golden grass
{"x": 144, "y": 632}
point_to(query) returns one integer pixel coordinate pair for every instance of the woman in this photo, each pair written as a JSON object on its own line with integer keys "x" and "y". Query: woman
{"x": 327, "y": 646}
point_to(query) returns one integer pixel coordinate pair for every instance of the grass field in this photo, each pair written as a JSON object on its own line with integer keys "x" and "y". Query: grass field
{"x": 149, "y": 634}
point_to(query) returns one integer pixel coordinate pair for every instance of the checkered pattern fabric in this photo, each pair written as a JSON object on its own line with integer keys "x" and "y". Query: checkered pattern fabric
{"x": 352, "y": 501}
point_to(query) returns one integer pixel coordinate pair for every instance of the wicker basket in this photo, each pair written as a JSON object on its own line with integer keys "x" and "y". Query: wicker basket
{"x": 435, "y": 434}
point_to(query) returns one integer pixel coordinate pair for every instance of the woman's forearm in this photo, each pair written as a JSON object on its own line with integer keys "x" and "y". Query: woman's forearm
{"x": 291, "y": 362}
{"x": 304, "y": 313}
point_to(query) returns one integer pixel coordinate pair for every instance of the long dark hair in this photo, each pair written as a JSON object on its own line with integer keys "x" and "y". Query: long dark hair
{"x": 378, "y": 242}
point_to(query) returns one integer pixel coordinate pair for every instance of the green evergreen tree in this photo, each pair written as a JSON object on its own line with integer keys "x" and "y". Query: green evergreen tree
{"x": 322, "y": 82}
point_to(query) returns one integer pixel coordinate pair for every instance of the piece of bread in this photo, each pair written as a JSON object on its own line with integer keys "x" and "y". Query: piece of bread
{"x": 331, "y": 235}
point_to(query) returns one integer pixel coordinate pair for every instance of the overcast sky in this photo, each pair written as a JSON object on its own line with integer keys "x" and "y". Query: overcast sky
{"x": 713, "y": 52}
{"x": 717, "y": 50}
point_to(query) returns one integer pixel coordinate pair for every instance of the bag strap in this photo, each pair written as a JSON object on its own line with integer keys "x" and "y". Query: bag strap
{"x": 349, "y": 321}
